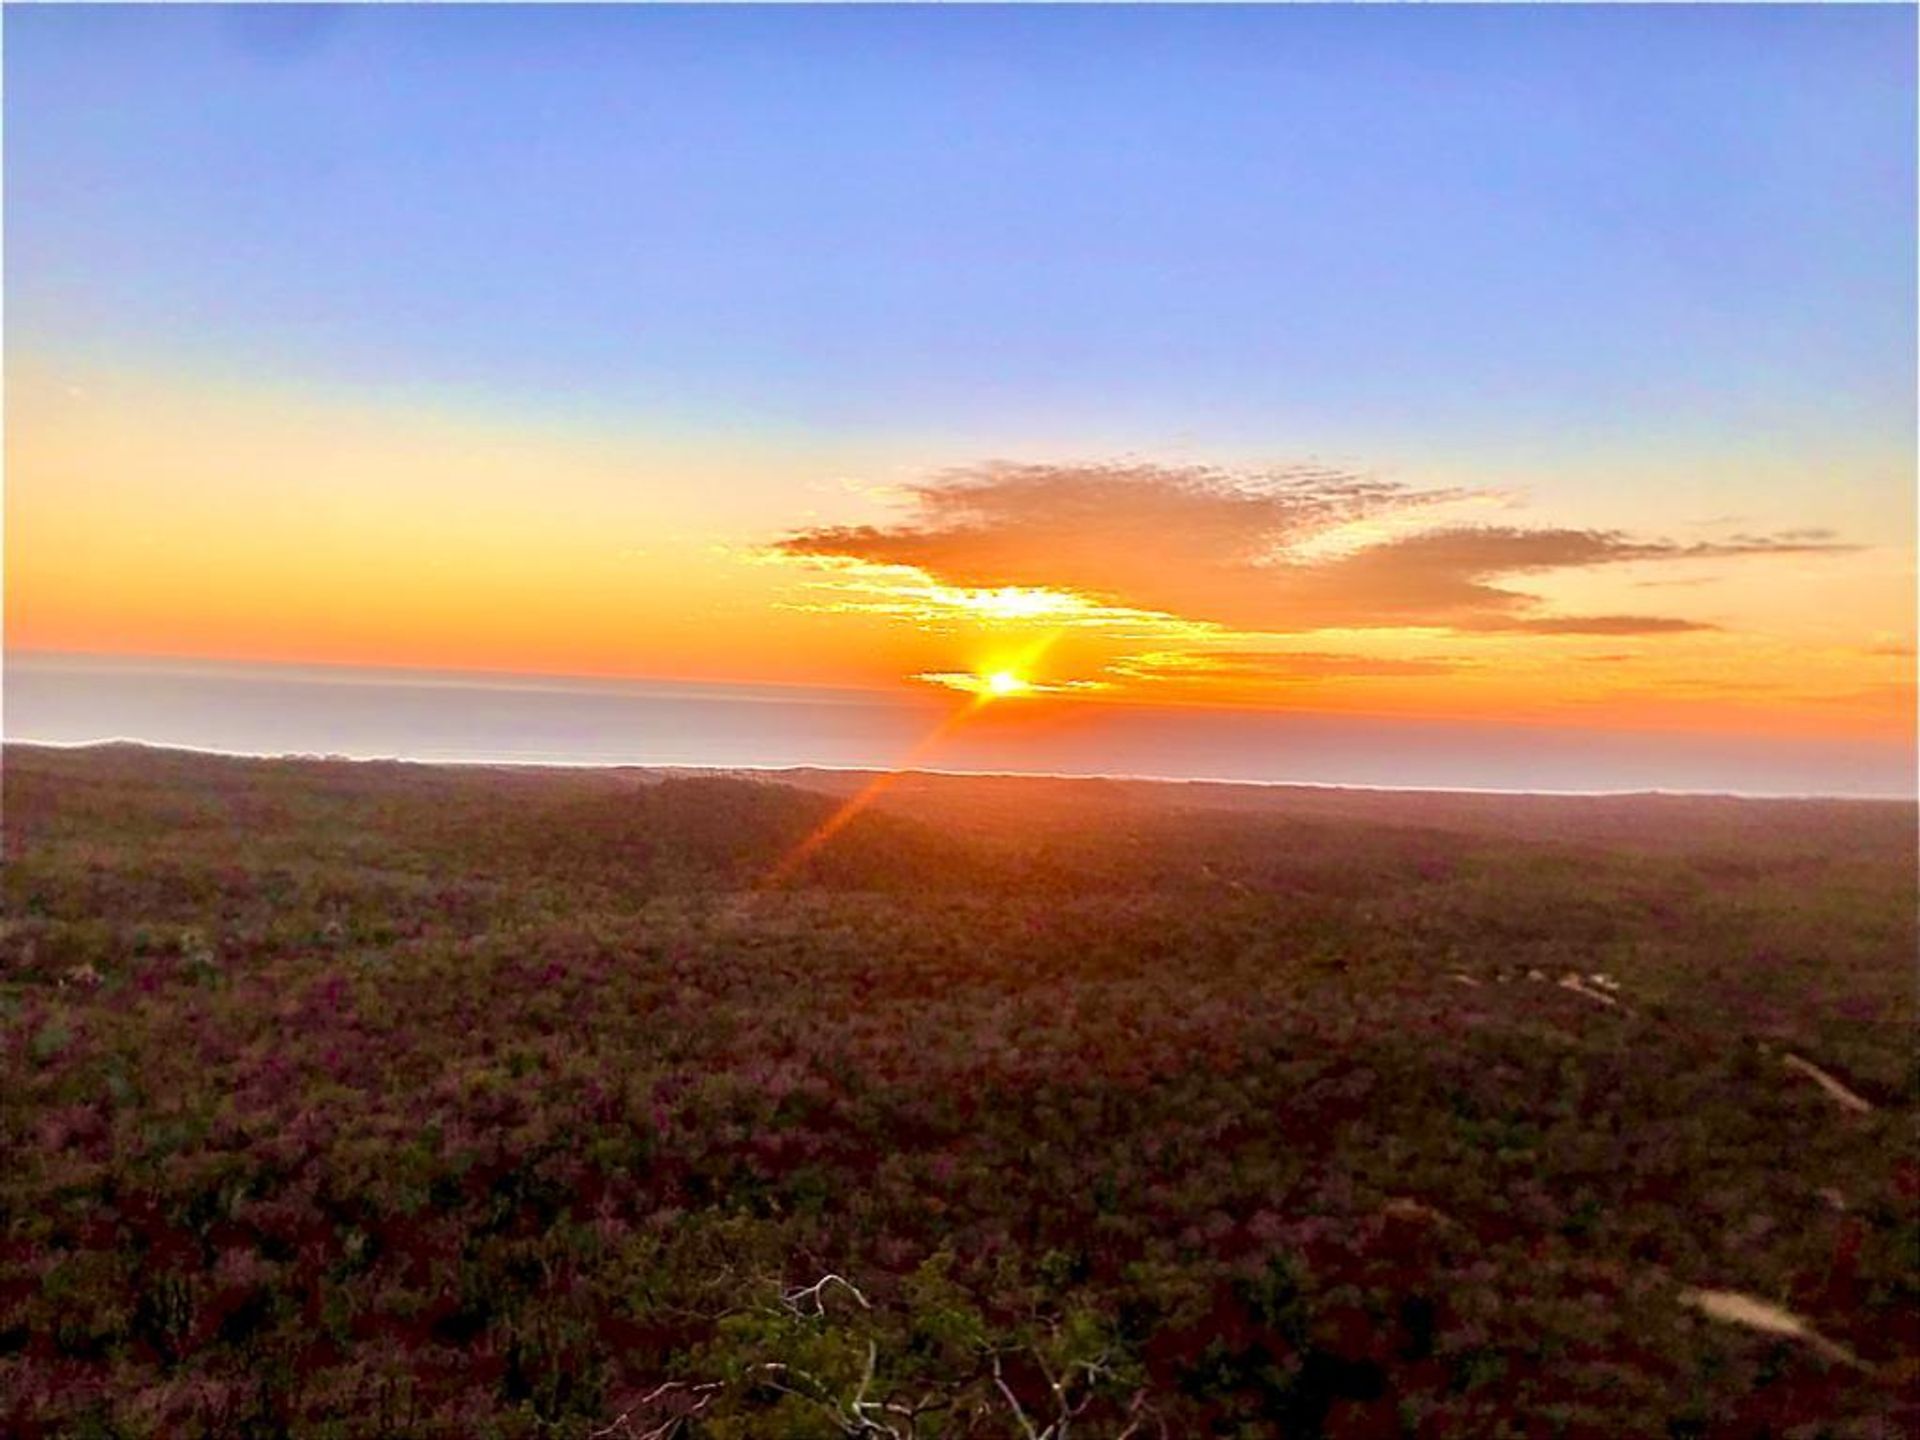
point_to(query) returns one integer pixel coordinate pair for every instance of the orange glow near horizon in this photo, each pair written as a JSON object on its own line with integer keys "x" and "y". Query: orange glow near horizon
{"x": 226, "y": 524}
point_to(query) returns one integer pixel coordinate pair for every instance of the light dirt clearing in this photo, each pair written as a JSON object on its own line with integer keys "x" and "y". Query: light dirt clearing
{"x": 1756, "y": 1314}
{"x": 1580, "y": 987}
{"x": 1842, "y": 1096}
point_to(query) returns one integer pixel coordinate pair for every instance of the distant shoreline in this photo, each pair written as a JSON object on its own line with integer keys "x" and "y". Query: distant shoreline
{"x": 775, "y": 772}
{"x": 443, "y": 719}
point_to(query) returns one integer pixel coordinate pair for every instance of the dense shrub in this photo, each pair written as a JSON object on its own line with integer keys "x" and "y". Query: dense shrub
{"x": 360, "y": 1100}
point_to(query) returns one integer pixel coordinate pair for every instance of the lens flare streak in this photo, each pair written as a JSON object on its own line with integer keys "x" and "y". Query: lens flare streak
{"x": 1000, "y": 681}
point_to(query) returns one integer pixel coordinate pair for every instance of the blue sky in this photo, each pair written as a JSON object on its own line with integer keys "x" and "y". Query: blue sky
{"x": 1373, "y": 231}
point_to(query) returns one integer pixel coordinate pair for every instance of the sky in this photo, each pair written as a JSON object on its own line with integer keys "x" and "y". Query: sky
{"x": 1547, "y": 370}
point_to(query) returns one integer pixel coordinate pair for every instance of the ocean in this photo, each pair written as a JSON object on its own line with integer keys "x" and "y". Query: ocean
{"x": 257, "y": 709}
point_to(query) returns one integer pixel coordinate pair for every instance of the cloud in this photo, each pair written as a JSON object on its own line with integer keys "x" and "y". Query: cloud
{"x": 1108, "y": 531}
{"x": 1894, "y": 695}
{"x": 1589, "y": 625}
{"x": 971, "y": 683}
{"x": 1817, "y": 535}
{"x": 1250, "y": 552}
{"x": 1273, "y": 667}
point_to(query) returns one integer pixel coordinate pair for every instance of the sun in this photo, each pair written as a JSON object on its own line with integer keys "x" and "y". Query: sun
{"x": 1004, "y": 682}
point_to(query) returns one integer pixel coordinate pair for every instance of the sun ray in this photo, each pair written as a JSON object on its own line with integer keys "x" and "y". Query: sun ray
{"x": 1002, "y": 681}
{"x": 867, "y": 794}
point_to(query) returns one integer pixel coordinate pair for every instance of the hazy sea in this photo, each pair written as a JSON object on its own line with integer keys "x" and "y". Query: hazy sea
{"x": 418, "y": 715}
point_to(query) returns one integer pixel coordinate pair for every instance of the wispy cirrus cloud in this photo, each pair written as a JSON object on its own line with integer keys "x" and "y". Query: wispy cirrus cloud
{"x": 1585, "y": 625}
{"x": 1278, "y": 667}
{"x": 1248, "y": 553}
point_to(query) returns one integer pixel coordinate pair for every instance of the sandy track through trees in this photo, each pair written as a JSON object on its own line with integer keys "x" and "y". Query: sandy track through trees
{"x": 1842, "y": 1096}
{"x": 1737, "y": 1309}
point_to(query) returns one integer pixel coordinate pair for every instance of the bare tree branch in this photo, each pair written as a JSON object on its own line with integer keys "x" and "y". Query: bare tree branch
{"x": 815, "y": 1295}
{"x": 622, "y": 1425}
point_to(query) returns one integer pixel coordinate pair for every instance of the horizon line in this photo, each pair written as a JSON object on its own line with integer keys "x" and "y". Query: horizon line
{"x": 899, "y": 696}
{"x": 748, "y": 770}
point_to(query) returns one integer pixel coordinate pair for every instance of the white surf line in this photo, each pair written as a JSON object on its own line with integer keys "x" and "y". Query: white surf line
{"x": 1737, "y": 1309}
{"x": 1842, "y": 1096}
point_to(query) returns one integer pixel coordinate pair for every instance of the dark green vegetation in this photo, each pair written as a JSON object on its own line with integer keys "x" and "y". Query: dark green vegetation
{"x": 365, "y": 1099}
